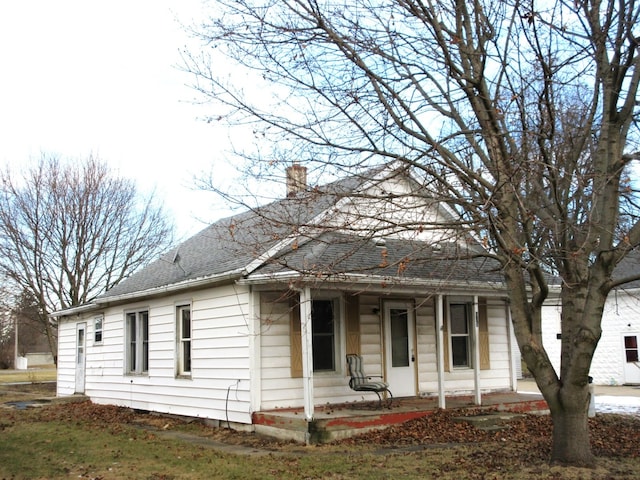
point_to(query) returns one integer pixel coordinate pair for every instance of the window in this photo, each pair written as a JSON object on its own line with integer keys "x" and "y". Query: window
{"x": 137, "y": 338}
{"x": 399, "y": 318}
{"x": 459, "y": 333}
{"x": 631, "y": 348}
{"x": 183, "y": 340}
{"x": 97, "y": 329}
{"x": 323, "y": 335}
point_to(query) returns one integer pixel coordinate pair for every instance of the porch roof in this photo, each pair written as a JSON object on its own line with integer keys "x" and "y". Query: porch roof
{"x": 338, "y": 255}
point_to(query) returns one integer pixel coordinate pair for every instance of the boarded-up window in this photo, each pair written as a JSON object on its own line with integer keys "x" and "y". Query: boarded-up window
{"x": 352, "y": 313}
{"x": 483, "y": 341}
{"x": 296, "y": 338}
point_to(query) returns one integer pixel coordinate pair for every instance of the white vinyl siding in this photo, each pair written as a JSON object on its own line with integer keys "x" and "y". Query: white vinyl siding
{"x": 219, "y": 387}
{"x": 620, "y": 317}
{"x": 219, "y": 383}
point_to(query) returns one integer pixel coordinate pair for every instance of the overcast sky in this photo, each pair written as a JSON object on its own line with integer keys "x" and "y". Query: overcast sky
{"x": 84, "y": 77}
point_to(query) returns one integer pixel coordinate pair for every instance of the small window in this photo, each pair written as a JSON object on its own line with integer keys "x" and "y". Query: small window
{"x": 459, "y": 333}
{"x": 631, "y": 348}
{"x": 97, "y": 329}
{"x": 183, "y": 340}
{"x": 324, "y": 336}
{"x": 137, "y": 342}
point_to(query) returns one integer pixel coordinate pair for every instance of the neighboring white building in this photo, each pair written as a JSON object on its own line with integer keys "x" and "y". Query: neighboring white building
{"x": 252, "y": 314}
{"x": 616, "y": 359}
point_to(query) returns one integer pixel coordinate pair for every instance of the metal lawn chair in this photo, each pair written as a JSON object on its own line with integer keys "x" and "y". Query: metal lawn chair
{"x": 363, "y": 383}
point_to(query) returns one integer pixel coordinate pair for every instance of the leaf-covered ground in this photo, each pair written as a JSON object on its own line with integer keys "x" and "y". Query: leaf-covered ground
{"x": 611, "y": 435}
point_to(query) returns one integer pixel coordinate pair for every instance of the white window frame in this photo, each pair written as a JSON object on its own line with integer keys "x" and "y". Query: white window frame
{"x": 184, "y": 343}
{"x": 98, "y": 329}
{"x": 468, "y": 306}
{"x": 137, "y": 342}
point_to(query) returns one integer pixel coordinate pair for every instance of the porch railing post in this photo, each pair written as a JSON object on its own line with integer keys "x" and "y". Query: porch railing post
{"x": 307, "y": 352}
{"x": 476, "y": 352}
{"x": 440, "y": 350}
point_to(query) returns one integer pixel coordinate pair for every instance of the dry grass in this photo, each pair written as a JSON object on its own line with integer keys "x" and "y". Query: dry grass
{"x": 40, "y": 374}
{"x": 83, "y": 440}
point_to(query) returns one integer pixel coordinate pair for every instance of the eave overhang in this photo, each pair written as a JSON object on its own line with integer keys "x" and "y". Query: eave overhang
{"x": 191, "y": 284}
{"x": 377, "y": 283}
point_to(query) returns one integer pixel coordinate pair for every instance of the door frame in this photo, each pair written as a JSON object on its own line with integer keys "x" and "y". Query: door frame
{"x": 412, "y": 390}
{"x": 80, "y": 356}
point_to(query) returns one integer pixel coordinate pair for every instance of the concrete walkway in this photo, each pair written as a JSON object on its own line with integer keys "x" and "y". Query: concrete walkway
{"x": 528, "y": 385}
{"x": 619, "y": 399}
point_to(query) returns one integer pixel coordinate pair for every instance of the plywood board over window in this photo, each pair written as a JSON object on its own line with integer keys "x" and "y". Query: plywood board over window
{"x": 352, "y": 322}
{"x": 295, "y": 330}
{"x": 483, "y": 327}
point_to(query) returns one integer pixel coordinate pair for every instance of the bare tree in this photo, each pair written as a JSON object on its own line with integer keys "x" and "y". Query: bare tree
{"x": 70, "y": 231}
{"x": 7, "y": 327}
{"x": 522, "y": 113}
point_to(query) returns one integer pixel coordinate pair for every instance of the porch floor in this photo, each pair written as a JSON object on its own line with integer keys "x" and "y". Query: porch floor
{"x": 332, "y": 422}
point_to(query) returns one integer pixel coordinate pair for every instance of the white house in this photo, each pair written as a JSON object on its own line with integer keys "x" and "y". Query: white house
{"x": 616, "y": 360}
{"x": 257, "y": 312}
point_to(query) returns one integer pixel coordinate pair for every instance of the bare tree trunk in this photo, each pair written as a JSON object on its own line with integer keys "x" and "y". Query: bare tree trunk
{"x": 569, "y": 411}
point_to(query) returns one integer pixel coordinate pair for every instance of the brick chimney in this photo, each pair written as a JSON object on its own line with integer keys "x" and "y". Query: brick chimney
{"x": 296, "y": 179}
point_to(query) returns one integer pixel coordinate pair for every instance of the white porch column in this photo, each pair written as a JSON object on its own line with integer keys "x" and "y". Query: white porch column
{"x": 440, "y": 350}
{"x": 255, "y": 354}
{"x": 476, "y": 352}
{"x": 307, "y": 351}
{"x": 515, "y": 357}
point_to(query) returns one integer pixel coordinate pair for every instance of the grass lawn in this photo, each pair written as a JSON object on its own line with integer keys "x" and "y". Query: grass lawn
{"x": 100, "y": 442}
{"x": 41, "y": 374}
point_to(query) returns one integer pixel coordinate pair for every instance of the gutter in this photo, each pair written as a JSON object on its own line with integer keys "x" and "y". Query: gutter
{"x": 385, "y": 283}
{"x": 101, "y": 302}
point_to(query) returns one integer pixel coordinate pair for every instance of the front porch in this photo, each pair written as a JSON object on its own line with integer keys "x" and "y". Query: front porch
{"x": 332, "y": 422}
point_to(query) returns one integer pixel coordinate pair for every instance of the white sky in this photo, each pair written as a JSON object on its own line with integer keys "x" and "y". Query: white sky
{"x": 84, "y": 77}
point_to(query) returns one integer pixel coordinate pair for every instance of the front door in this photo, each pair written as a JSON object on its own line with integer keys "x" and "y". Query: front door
{"x": 81, "y": 340}
{"x": 631, "y": 358}
{"x": 399, "y": 349}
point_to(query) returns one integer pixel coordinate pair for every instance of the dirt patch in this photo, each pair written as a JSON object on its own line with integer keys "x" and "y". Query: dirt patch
{"x": 25, "y": 392}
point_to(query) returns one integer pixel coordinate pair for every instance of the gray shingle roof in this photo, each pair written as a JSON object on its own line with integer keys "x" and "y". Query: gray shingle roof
{"x": 233, "y": 243}
{"x": 629, "y": 267}
{"x": 334, "y": 253}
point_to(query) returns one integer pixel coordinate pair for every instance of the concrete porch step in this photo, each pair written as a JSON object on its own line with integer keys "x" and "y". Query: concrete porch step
{"x": 342, "y": 421}
{"x": 490, "y": 421}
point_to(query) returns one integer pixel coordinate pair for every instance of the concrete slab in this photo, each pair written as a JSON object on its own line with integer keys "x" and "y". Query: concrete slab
{"x": 333, "y": 422}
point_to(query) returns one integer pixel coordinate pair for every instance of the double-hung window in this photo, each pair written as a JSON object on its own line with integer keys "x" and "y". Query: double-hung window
{"x": 459, "y": 331}
{"x": 183, "y": 340}
{"x": 137, "y": 338}
{"x": 97, "y": 329}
